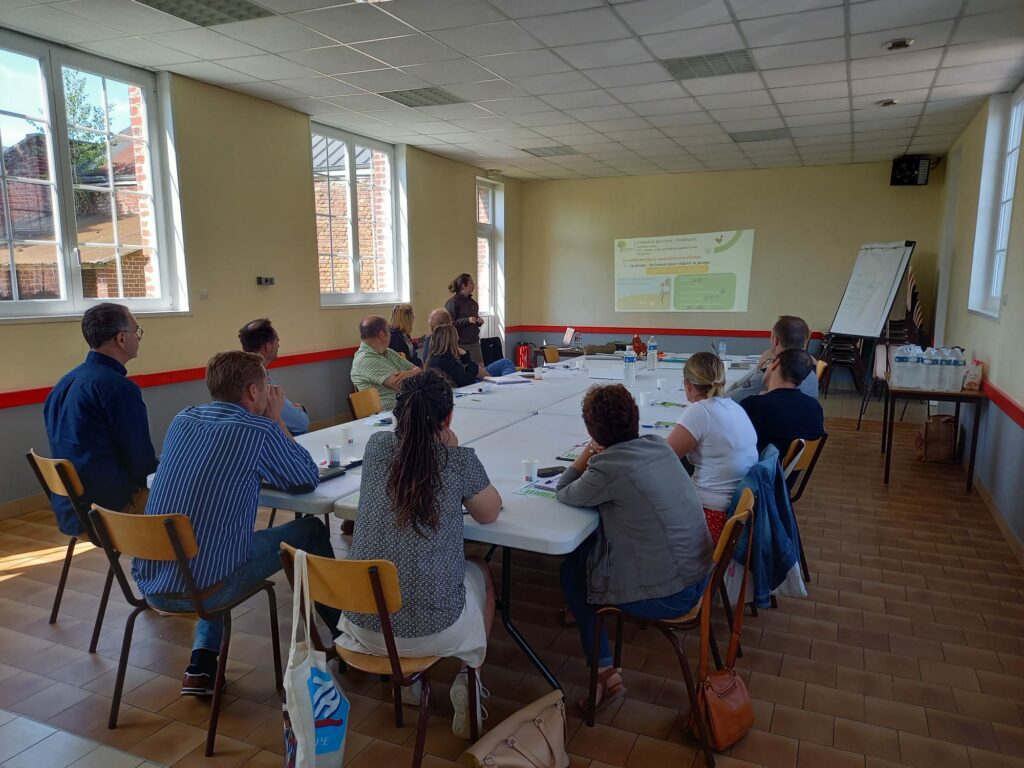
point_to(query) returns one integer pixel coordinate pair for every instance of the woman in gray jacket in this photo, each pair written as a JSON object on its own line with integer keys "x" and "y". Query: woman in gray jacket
{"x": 651, "y": 554}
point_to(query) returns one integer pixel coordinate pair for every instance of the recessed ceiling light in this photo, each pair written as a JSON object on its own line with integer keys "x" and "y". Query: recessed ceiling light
{"x": 770, "y": 134}
{"x": 710, "y": 65}
{"x": 559, "y": 149}
{"x": 899, "y": 44}
{"x": 887, "y": 102}
{"x": 423, "y": 97}
{"x": 206, "y": 14}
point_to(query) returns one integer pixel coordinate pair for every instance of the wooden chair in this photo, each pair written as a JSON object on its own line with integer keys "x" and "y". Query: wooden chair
{"x": 671, "y": 628}
{"x": 58, "y": 477}
{"x": 170, "y": 538}
{"x": 365, "y": 402}
{"x": 801, "y": 457}
{"x": 551, "y": 355}
{"x": 371, "y": 586}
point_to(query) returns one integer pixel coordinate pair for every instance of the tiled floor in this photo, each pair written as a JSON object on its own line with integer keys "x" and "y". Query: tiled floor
{"x": 26, "y": 743}
{"x": 909, "y": 650}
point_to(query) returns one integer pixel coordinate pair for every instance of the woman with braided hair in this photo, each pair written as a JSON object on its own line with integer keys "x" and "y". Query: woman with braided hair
{"x": 415, "y": 483}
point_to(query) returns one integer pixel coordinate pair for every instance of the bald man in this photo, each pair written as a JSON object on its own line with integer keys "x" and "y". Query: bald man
{"x": 375, "y": 365}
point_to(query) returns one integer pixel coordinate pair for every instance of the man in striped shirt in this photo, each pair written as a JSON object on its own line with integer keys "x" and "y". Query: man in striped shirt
{"x": 214, "y": 458}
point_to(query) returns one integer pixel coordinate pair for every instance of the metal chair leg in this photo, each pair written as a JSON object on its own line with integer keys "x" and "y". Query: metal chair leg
{"x": 218, "y": 684}
{"x": 474, "y": 705}
{"x": 275, "y": 638}
{"x": 101, "y": 611}
{"x": 273, "y": 514}
{"x": 396, "y": 694}
{"x": 618, "y": 642}
{"x": 122, "y": 665}
{"x": 421, "y": 726}
{"x": 691, "y": 691}
{"x": 595, "y": 649}
{"x": 63, "y": 579}
{"x": 728, "y": 617}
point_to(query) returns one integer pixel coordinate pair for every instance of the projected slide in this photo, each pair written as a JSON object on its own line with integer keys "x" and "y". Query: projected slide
{"x": 705, "y": 272}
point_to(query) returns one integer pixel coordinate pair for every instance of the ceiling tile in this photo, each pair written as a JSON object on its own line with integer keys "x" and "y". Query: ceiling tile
{"x": 545, "y": 121}
{"x": 989, "y": 50}
{"x": 636, "y": 93}
{"x": 138, "y": 50}
{"x": 633, "y": 74}
{"x": 650, "y": 16}
{"x": 821, "y": 73}
{"x": 518, "y": 9}
{"x": 48, "y": 22}
{"x": 274, "y": 33}
{"x": 608, "y": 53}
{"x": 794, "y": 27}
{"x": 380, "y": 80}
{"x": 366, "y": 102}
{"x": 664, "y": 106}
{"x": 983, "y": 88}
{"x": 731, "y": 114}
{"x": 705, "y": 130}
{"x": 695, "y": 42}
{"x": 814, "y": 107}
{"x": 620, "y": 124}
{"x": 455, "y": 111}
{"x": 309, "y": 106}
{"x": 577, "y": 130}
{"x": 453, "y": 72}
{"x": 443, "y": 14}
{"x": 407, "y": 50}
{"x": 588, "y": 114}
{"x": 761, "y": 124}
{"x": 991, "y": 26}
{"x": 333, "y": 60}
{"x": 524, "y": 64}
{"x": 579, "y": 99}
{"x": 884, "y": 125}
{"x": 352, "y": 23}
{"x": 938, "y": 130}
{"x": 748, "y": 81}
{"x": 886, "y": 85}
{"x": 810, "y": 131}
{"x": 897, "y": 63}
{"x": 290, "y": 6}
{"x": 993, "y": 70}
{"x": 130, "y": 18}
{"x": 946, "y": 106}
{"x": 885, "y": 14}
{"x": 319, "y": 86}
{"x": 204, "y": 43}
{"x": 513, "y": 107}
{"x": 487, "y": 39}
{"x": 561, "y": 82}
{"x": 268, "y": 67}
{"x": 867, "y": 101}
{"x": 887, "y": 113}
{"x": 397, "y": 115}
{"x": 637, "y": 133}
{"x": 819, "y": 141}
{"x": 819, "y": 118}
{"x": 576, "y": 27}
{"x": 263, "y": 90}
{"x": 682, "y": 118}
{"x": 486, "y": 89}
{"x": 931, "y": 35}
{"x": 811, "y": 92}
{"x": 209, "y": 72}
{"x": 800, "y": 54}
{"x": 733, "y": 100}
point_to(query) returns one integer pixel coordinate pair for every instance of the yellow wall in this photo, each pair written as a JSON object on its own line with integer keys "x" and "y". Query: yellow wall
{"x": 996, "y": 342}
{"x": 247, "y": 209}
{"x": 809, "y": 222}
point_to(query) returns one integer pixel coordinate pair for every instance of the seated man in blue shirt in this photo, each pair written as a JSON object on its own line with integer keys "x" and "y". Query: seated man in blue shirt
{"x": 789, "y": 332}
{"x": 260, "y": 337}
{"x": 95, "y": 418}
{"x": 784, "y": 413}
{"x": 214, "y": 458}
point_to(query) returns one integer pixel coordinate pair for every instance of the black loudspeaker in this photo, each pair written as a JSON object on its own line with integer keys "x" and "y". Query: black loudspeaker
{"x": 910, "y": 171}
{"x": 490, "y": 348}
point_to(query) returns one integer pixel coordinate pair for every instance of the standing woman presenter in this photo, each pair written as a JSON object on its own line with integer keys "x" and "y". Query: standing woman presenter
{"x": 465, "y": 315}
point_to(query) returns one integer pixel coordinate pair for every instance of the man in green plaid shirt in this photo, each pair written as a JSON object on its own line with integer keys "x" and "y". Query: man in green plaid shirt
{"x": 375, "y": 366}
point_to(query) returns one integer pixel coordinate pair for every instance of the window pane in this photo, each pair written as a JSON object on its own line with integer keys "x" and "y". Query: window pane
{"x": 483, "y": 273}
{"x": 998, "y": 268}
{"x": 21, "y": 85}
{"x": 130, "y": 160}
{"x": 99, "y": 272}
{"x": 93, "y": 218}
{"x": 25, "y": 148}
{"x": 135, "y": 224}
{"x": 4, "y": 233}
{"x": 119, "y": 106}
{"x": 6, "y": 293}
{"x": 31, "y": 210}
{"x": 89, "y": 158}
{"x": 484, "y": 214}
{"x": 335, "y": 273}
{"x": 1003, "y": 232}
{"x": 376, "y": 249}
{"x": 83, "y": 100}
{"x": 139, "y": 273}
{"x": 38, "y": 272}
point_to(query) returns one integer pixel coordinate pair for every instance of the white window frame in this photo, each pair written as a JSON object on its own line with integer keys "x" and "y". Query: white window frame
{"x": 1000, "y": 170}
{"x": 173, "y": 286}
{"x": 357, "y": 296}
{"x": 488, "y": 231}
{"x": 494, "y": 315}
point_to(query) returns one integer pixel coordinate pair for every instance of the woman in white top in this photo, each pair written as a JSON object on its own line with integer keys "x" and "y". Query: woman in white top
{"x": 715, "y": 435}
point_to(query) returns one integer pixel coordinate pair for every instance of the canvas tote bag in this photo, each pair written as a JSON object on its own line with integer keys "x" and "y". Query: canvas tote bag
{"x": 533, "y": 737}
{"x": 316, "y": 712}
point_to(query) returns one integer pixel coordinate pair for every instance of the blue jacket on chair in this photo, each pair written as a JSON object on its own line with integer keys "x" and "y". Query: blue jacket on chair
{"x": 775, "y": 534}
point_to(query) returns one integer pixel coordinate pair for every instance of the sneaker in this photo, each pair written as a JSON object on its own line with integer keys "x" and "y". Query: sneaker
{"x": 411, "y": 693}
{"x": 197, "y": 684}
{"x": 460, "y": 703}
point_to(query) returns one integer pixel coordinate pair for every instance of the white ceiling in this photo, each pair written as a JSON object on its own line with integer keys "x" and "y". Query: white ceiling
{"x": 584, "y": 73}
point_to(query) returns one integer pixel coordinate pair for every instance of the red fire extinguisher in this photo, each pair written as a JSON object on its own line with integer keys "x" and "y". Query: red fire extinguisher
{"x": 524, "y": 355}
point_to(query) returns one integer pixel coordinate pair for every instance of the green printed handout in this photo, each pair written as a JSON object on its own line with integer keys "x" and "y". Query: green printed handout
{"x": 704, "y": 272}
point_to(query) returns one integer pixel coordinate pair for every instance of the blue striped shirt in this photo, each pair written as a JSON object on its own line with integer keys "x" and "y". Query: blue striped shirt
{"x": 214, "y": 458}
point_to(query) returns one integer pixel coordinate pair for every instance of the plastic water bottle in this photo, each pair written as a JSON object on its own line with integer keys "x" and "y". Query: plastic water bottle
{"x": 900, "y": 364}
{"x": 721, "y": 350}
{"x": 948, "y": 368}
{"x": 914, "y": 367}
{"x": 959, "y": 369}
{"x": 629, "y": 368}
{"x": 652, "y": 354}
{"x": 933, "y": 369}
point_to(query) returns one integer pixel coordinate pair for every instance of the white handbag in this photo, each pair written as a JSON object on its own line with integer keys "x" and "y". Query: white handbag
{"x": 316, "y": 709}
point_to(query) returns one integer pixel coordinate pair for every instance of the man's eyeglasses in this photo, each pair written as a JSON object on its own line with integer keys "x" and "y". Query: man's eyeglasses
{"x": 138, "y": 333}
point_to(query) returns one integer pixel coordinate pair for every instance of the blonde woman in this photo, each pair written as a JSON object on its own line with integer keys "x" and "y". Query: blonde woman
{"x": 446, "y": 357}
{"x": 715, "y": 435}
{"x": 401, "y": 333}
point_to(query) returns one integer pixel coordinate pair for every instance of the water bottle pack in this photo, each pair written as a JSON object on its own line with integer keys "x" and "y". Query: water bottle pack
{"x": 938, "y": 370}
{"x": 629, "y": 368}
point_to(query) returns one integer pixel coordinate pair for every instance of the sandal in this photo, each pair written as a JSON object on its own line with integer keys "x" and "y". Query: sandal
{"x": 608, "y": 692}
{"x": 566, "y": 619}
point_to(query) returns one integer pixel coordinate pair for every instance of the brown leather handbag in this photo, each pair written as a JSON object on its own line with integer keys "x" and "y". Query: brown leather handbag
{"x": 722, "y": 695}
{"x": 533, "y": 737}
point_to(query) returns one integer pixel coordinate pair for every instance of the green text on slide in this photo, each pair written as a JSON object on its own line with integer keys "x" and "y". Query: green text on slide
{"x": 696, "y": 292}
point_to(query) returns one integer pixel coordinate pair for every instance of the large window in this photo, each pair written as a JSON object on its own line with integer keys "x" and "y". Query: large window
{"x": 485, "y": 246}
{"x": 353, "y": 186}
{"x": 80, "y": 198}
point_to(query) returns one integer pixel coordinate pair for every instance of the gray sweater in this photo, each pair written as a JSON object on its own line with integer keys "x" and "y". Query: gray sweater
{"x": 653, "y": 540}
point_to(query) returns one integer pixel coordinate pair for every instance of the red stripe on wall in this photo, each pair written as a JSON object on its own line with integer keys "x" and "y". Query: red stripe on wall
{"x": 1004, "y": 402}
{"x": 729, "y": 332}
{"x": 161, "y": 378}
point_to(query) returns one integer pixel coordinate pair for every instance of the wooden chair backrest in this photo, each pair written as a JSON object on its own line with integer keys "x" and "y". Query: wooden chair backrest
{"x": 146, "y": 536}
{"x": 800, "y": 474}
{"x": 403, "y": 355}
{"x": 821, "y": 366}
{"x": 733, "y": 528}
{"x": 47, "y": 470}
{"x": 365, "y": 402}
{"x": 345, "y": 584}
{"x": 794, "y": 454}
{"x": 551, "y": 355}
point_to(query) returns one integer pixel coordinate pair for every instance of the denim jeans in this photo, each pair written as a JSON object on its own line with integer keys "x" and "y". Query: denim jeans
{"x": 574, "y": 585}
{"x": 501, "y": 367}
{"x": 306, "y": 533}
